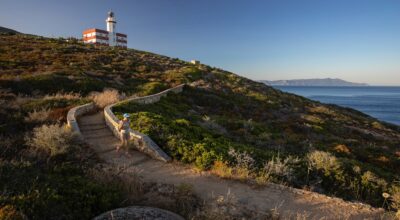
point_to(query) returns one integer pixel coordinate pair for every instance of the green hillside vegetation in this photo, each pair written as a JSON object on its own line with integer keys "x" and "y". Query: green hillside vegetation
{"x": 274, "y": 137}
{"x": 232, "y": 126}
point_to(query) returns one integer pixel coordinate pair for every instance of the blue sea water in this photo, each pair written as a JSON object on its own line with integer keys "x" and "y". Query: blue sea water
{"x": 380, "y": 102}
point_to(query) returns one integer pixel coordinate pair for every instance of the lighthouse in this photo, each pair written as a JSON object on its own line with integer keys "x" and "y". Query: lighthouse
{"x": 107, "y": 37}
{"x": 111, "y": 22}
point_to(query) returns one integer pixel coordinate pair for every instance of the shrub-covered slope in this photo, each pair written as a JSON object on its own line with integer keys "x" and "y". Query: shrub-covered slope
{"x": 234, "y": 126}
{"x": 44, "y": 174}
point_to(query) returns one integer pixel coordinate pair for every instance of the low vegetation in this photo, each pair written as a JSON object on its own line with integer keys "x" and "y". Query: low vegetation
{"x": 232, "y": 126}
{"x": 52, "y": 139}
{"x": 302, "y": 144}
{"x": 107, "y": 97}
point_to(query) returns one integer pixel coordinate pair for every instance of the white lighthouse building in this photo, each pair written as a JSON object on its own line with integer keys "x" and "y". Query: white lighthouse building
{"x": 109, "y": 37}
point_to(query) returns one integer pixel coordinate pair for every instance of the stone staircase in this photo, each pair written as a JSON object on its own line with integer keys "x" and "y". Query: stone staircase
{"x": 96, "y": 133}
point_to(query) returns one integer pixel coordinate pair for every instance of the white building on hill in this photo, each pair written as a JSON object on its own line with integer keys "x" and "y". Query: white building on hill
{"x": 109, "y": 37}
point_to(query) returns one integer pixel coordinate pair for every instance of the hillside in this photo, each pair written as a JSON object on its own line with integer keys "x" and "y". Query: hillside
{"x": 312, "y": 82}
{"x": 230, "y": 125}
{"x": 8, "y": 30}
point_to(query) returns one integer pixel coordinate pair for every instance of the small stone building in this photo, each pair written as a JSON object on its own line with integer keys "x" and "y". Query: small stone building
{"x": 195, "y": 62}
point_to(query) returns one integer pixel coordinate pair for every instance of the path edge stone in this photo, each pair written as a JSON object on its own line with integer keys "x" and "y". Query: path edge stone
{"x": 142, "y": 142}
{"x": 74, "y": 113}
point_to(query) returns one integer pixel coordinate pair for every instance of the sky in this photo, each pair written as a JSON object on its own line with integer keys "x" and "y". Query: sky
{"x": 355, "y": 40}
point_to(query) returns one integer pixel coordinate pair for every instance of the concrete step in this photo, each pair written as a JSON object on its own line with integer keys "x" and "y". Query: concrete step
{"x": 95, "y": 129}
{"x": 87, "y": 124}
{"x": 100, "y": 135}
{"x": 101, "y": 149}
{"x": 103, "y": 131}
{"x": 103, "y": 141}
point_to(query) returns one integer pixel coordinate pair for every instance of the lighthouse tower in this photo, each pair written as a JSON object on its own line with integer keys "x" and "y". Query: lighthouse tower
{"x": 112, "y": 35}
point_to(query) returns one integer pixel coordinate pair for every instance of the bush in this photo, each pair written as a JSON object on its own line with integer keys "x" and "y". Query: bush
{"x": 222, "y": 169}
{"x": 59, "y": 191}
{"x": 244, "y": 164}
{"x": 9, "y": 212}
{"x": 242, "y": 159}
{"x": 107, "y": 97}
{"x": 152, "y": 88}
{"x": 53, "y": 139}
{"x": 277, "y": 169}
{"x": 373, "y": 187}
{"x": 395, "y": 197}
{"x": 323, "y": 161}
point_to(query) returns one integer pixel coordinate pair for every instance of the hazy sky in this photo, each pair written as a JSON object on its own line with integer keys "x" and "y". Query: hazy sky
{"x": 356, "y": 40}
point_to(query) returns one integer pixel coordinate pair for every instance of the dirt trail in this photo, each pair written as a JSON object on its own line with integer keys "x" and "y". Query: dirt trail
{"x": 288, "y": 201}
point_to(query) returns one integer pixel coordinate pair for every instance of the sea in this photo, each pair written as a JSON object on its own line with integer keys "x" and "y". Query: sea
{"x": 381, "y": 102}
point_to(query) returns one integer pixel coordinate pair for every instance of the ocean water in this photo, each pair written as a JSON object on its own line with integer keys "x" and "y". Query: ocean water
{"x": 380, "y": 102}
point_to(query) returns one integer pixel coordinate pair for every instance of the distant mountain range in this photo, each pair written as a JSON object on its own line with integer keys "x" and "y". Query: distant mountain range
{"x": 8, "y": 30}
{"x": 312, "y": 82}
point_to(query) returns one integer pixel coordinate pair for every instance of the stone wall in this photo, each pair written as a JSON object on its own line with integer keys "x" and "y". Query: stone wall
{"x": 74, "y": 113}
{"x": 143, "y": 143}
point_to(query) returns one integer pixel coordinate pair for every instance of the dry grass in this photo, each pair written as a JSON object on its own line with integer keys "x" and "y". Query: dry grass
{"x": 6, "y": 94}
{"x": 179, "y": 199}
{"x": 222, "y": 169}
{"x": 130, "y": 184}
{"x": 320, "y": 160}
{"x": 341, "y": 148}
{"x": 60, "y": 95}
{"x": 19, "y": 101}
{"x": 299, "y": 216}
{"x": 277, "y": 169}
{"x": 245, "y": 164}
{"x": 38, "y": 116}
{"x": 9, "y": 212}
{"x": 107, "y": 97}
{"x": 53, "y": 139}
{"x": 58, "y": 114}
{"x": 395, "y": 198}
{"x": 227, "y": 208}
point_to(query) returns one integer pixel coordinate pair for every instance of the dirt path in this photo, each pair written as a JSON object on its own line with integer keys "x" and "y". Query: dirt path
{"x": 288, "y": 201}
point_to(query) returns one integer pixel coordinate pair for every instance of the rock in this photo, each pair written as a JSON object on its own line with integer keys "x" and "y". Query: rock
{"x": 138, "y": 213}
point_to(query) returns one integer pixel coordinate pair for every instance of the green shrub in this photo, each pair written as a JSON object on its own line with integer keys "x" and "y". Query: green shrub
{"x": 152, "y": 88}
{"x": 60, "y": 191}
{"x": 180, "y": 124}
{"x": 372, "y": 186}
{"x": 184, "y": 75}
